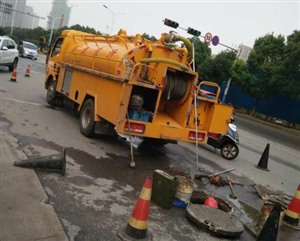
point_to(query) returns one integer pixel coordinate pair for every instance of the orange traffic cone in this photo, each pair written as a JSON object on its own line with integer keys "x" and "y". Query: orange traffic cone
{"x": 27, "y": 73}
{"x": 292, "y": 214}
{"x": 14, "y": 75}
{"x": 138, "y": 222}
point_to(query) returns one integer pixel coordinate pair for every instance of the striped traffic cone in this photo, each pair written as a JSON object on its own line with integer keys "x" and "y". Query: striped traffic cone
{"x": 136, "y": 228}
{"x": 27, "y": 73}
{"x": 292, "y": 214}
{"x": 13, "y": 77}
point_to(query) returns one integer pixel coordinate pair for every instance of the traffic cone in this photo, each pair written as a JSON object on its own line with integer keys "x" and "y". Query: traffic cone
{"x": 292, "y": 214}
{"x": 27, "y": 73}
{"x": 270, "y": 228}
{"x": 56, "y": 163}
{"x": 13, "y": 77}
{"x": 136, "y": 228}
{"x": 263, "y": 162}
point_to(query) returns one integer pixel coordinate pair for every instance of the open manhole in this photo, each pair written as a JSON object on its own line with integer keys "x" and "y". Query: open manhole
{"x": 198, "y": 197}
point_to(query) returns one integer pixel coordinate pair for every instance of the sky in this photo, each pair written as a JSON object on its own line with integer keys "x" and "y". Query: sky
{"x": 234, "y": 22}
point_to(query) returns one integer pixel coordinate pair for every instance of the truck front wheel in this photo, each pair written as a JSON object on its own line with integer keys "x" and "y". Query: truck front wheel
{"x": 87, "y": 122}
{"x": 51, "y": 92}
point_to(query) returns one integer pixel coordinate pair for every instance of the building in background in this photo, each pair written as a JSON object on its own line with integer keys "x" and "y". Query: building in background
{"x": 29, "y": 21}
{"x": 17, "y": 14}
{"x": 244, "y": 52}
{"x": 59, "y": 15}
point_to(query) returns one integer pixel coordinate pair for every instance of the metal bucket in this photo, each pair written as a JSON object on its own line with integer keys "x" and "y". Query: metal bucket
{"x": 184, "y": 192}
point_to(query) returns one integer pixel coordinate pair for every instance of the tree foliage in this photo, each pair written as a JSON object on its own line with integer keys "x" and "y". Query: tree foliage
{"x": 147, "y": 36}
{"x": 202, "y": 58}
{"x": 222, "y": 65}
{"x": 291, "y": 65}
{"x": 266, "y": 65}
{"x": 33, "y": 35}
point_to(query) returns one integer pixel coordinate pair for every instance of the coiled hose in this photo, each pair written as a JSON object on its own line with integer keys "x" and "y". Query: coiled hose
{"x": 175, "y": 88}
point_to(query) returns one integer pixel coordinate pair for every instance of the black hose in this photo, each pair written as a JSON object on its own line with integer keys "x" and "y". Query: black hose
{"x": 175, "y": 88}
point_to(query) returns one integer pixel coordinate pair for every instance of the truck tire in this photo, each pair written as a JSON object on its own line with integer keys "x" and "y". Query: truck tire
{"x": 229, "y": 150}
{"x": 51, "y": 92}
{"x": 87, "y": 122}
{"x": 13, "y": 65}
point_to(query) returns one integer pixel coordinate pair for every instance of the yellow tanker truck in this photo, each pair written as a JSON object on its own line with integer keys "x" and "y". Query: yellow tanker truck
{"x": 134, "y": 86}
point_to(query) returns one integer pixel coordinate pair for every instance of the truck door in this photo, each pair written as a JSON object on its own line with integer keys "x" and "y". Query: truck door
{"x": 53, "y": 58}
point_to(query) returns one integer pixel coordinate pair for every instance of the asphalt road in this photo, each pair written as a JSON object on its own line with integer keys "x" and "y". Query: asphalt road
{"x": 96, "y": 197}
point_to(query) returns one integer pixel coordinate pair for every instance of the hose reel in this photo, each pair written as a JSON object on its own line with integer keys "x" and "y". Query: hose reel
{"x": 176, "y": 87}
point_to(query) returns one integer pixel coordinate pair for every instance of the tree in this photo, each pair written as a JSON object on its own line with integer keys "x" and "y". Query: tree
{"x": 291, "y": 69}
{"x": 147, "y": 36}
{"x": 202, "y": 58}
{"x": 241, "y": 77}
{"x": 222, "y": 65}
{"x": 266, "y": 65}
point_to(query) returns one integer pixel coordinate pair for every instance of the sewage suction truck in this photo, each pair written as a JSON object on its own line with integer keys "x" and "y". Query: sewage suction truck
{"x": 133, "y": 86}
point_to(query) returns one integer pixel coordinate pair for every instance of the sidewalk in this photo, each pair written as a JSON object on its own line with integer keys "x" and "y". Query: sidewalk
{"x": 24, "y": 212}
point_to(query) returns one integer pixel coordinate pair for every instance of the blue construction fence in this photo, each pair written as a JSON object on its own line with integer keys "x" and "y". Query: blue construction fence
{"x": 281, "y": 107}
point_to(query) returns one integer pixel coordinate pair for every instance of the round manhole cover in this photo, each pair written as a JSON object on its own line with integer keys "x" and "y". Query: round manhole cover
{"x": 215, "y": 220}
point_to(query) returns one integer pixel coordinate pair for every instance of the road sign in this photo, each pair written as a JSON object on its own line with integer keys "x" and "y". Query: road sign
{"x": 215, "y": 40}
{"x": 208, "y": 37}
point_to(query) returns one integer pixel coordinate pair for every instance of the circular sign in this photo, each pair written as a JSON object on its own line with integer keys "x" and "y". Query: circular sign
{"x": 208, "y": 37}
{"x": 215, "y": 40}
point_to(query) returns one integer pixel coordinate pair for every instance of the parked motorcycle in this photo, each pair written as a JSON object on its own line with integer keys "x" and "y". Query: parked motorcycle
{"x": 228, "y": 143}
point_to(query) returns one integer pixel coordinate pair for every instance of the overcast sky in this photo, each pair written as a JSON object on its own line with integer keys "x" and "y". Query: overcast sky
{"x": 235, "y": 22}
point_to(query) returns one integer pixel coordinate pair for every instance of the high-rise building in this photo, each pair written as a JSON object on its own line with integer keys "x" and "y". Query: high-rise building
{"x": 244, "y": 52}
{"x": 17, "y": 14}
{"x": 59, "y": 15}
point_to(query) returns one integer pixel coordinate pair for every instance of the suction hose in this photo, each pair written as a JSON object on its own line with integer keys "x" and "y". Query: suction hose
{"x": 188, "y": 45}
{"x": 171, "y": 38}
{"x": 163, "y": 60}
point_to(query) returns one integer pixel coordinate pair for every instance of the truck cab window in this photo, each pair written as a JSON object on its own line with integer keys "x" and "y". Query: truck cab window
{"x": 57, "y": 46}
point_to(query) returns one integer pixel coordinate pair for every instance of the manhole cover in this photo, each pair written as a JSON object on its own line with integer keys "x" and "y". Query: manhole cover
{"x": 214, "y": 220}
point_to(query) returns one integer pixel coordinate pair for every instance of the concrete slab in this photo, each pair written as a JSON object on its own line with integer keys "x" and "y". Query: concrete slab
{"x": 25, "y": 214}
{"x": 214, "y": 220}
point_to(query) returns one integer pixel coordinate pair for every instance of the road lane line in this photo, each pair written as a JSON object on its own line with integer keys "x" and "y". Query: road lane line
{"x": 22, "y": 102}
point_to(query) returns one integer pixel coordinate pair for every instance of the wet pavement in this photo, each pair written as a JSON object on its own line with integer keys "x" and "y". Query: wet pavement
{"x": 97, "y": 195}
{"x": 99, "y": 191}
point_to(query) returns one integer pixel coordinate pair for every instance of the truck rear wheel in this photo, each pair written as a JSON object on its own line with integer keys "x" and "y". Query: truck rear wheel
{"x": 87, "y": 122}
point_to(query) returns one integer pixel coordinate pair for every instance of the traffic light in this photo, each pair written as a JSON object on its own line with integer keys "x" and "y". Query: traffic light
{"x": 171, "y": 23}
{"x": 194, "y": 32}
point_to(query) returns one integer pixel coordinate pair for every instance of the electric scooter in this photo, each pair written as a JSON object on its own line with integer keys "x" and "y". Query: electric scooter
{"x": 228, "y": 143}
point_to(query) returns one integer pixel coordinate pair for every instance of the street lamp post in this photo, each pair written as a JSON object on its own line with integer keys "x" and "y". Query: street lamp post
{"x": 113, "y": 18}
{"x": 52, "y": 26}
{"x": 13, "y": 20}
